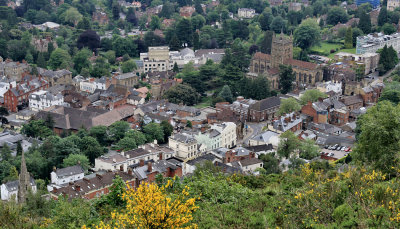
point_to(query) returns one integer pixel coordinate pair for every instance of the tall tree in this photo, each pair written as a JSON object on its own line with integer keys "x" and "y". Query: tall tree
{"x": 175, "y": 44}
{"x": 348, "y": 40}
{"x": 312, "y": 96}
{"x": 115, "y": 8}
{"x": 198, "y": 8}
{"x": 286, "y": 78}
{"x": 267, "y": 42}
{"x": 307, "y": 34}
{"x": 184, "y": 31}
{"x": 60, "y": 59}
{"x": 365, "y": 22}
{"x": 289, "y": 105}
{"x": 131, "y": 17}
{"x": 383, "y": 16}
{"x": 336, "y": 15}
{"x": 89, "y": 39}
{"x": 226, "y": 94}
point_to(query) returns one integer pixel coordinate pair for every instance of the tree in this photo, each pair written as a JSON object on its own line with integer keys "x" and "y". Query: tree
{"x": 182, "y": 93}
{"x": 379, "y": 141}
{"x": 278, "y": 24}
{"x": 72, "y": 16}
{"x": 175, "y": 44}
{"x": 388, "y": 29}
{"x": 36, "y": 129}
{"x": 13, "y": 174}
{"x": 286, "y": 78}
{"x": 118, "y": 129}
{"x": 19, "y": 148}
{"x": 155, "y": 23}
{"x": 60, "y": 59}
{"x": 184, "y": 31}
{"x": 126, "y": 143}
{"x": 75, "y": 159}
{"x": 90, "y": 39}
{"x": 348, "y": 40}
{"x": 388, "y": 59}
{"x": 307, "y": 34}
{"x": 81, "y": 59}
{"x": 41, "y": 62}
{"x": 391, "y": 93}
{"x": 117, "y": 189}
{"x": 131, "y": 16}
{"x": 5, "y": 152}
{"x": 115, "y": 10}
{"x": 167, "y": 129}
{"x": 149, "y": 206}
{"x": 128, "y": 66}
{"x": 84, "y": 24}
{"x": 198, "y": 7}
{"x": 139, "y": 137}
{"x": 100, "y": 133}
{"x": 267, "y": 42}
{"x": 336, "y": 15}
{"x": 176, "y": 68}
{"x": 271, "y": 163}
{"x": 288, "y": 144}
{"x": 91, "y": 148}
{"x": 383, "y": 16}
{"x": 356, "y": 33}
{"x": 189, "y": 124}
{"x": 288, "y": 105}
{"x": 153, "y": 131}
{"x": 365, "y": 22}
{"x": 311, "y": 95}
{"x": 265, "y": 20}
{"x": 226, "y": 94}
{"x": 308, "y": 149}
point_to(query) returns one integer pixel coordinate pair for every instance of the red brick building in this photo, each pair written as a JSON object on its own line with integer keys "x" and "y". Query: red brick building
{"x": 238, "y": 155}
{"x": 20, "y": 94}
{"x": 167, "y": 168}
{"x": 264, "y": 110}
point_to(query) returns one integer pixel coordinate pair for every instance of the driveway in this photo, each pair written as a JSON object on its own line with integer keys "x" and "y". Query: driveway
{"x": 253, "y": 129}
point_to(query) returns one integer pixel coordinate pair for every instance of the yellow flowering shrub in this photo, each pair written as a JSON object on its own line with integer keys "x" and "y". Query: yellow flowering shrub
{"x": 149, "y": 206}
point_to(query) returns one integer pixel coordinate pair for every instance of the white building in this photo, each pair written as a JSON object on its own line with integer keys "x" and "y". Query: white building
{"x": 330, "y": 86}
{"x": 147, "y": 152}
{"x": 372, "y": 42}
{"x": 393, "y": 4}
{"x": 91, "y": 84}
{"x": 40, "y": 100}
{"x": 248, "y": 165}
{"x": 6, "y": 84}
{"x": 265, "y": 138}
{"x": 61, "y": 177}
{"x": 228, "y": 134}
{"x": 184, "y": 145}
{"x": 246, "y": 13}
{"x": 10, "y": 189}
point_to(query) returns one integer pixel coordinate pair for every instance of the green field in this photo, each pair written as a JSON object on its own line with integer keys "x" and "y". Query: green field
{"x": 325, "y": 49}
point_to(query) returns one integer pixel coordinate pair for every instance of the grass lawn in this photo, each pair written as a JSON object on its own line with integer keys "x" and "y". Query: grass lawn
{"x": 326, "y": 48}
{"x": 205, "y": 102}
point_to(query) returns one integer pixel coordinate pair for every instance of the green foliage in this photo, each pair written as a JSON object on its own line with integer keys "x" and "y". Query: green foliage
{"x": 36, "y": 129}
{"x": 388, "y": 29}
{"x": 182, "y": 93}
{"x": 289, "y": 105}
{"x": 288, "y": 144}
{"x": 81, "y": 59}
{"x": 128, "y": 66}
{"x": 312, "y": 96}
{"x": 91, "y": 148}
{"x": 308, "y": 149}
{"x": 167, "y": 129}
{"x": 226, "y": 94}
{"x": 348, "y": 40}
{"x": 378, "y": 141}
{"x": 60, "y": 59}
{"x": 74, "y": 159}
{"x": 383, "y": 16}
{"x": 336, "y": 15}
{"x": 118, "y": 129}
{"x": 139, "y": 137}
{"x": 307, "y": 34}
{"x": 126, "y": 144}
{"x": 365, "y": 22}
{"x": 153, "y": 131}
{"x": 388, "y": 59}
{"x": 286, "y": 78}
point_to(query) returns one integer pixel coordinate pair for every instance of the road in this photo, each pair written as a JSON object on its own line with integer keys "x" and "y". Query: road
{"x": 253, "y": 129}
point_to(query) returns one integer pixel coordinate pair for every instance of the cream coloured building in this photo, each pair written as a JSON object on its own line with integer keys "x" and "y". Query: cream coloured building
{"x": 228, "y": 134}
{"x": 185, "y": 146}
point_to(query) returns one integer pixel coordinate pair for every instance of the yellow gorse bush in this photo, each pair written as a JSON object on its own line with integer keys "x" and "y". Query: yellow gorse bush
{"x": 149, "y": 206}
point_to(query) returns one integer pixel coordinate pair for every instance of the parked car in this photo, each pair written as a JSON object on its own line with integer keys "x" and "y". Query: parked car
{"x": 348, "y": 149}
{"x": 343, "y": 148}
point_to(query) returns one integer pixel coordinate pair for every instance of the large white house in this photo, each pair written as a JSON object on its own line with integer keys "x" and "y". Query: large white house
{"x": 91, "y": 84}
{"x": 61, "y": 177}
{"x": 6, "y": 84}
{"x": 185, "y": 146}
{"x": 219, "y": 135}
{"x": 10, "y": 189}
{"x": 40, "y": 100}
{"x": 246, "y": 13}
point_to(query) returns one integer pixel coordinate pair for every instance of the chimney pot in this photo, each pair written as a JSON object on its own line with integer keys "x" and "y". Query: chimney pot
{"x": 149, "y": 167}
{"x": 130, "y": 172}
{"x": 141, "y": 162}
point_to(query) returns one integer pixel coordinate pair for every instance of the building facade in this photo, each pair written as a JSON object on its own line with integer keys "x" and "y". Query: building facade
{"x": 40, "y": 100}
{"x": 372, "y": 42}
{"x": 184, "y": 145}
{"x": 246, "y": 13}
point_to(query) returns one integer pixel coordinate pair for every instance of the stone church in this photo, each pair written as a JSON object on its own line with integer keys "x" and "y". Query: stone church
{"x": 307, "y": 73}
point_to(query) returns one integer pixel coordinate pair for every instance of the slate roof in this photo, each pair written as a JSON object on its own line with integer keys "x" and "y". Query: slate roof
{"x": 13, "y": 185}
{"x": 183, "y": 137}
{"x": 265, "y": 136}
{"x": 259, "y": 148}
{"x": 266, "y": 104}
{"x": 250, "y": 161}
{"x": 56, "y": 74}
{"x": 87, "y": 185}
{"x": 203, "y": 158}
{"x": 350, "y": 100}
{"x": 69, "y": 171}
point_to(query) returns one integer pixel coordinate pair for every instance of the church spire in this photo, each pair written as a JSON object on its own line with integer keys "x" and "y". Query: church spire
{"x": 24, "y": 181}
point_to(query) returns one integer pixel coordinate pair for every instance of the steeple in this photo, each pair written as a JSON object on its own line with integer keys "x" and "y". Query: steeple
{"x": 24, "y": 181}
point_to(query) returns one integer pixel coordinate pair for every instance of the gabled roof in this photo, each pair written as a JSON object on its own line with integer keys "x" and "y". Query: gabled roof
{"x": 350, "y": 100}
{"x": 265, "y": 104}
{"x": 13, "y": 185}
{"x": 262, "y": 56}
{"x": 69, "y": 171}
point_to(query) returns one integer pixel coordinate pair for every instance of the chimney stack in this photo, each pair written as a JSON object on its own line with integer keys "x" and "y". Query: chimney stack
{"x": 121, "y": 168}
{"x": 149, "y": 167}
{"x": 78, "y": 188}
{"x": 160, "y": 156}
{"x": 130, "y": 172}
{"x": 141, "y": 162}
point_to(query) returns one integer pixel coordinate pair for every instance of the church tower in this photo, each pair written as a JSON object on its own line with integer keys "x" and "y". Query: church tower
{"x": 281, "y": 50}
{"x": 24, "y": 181}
